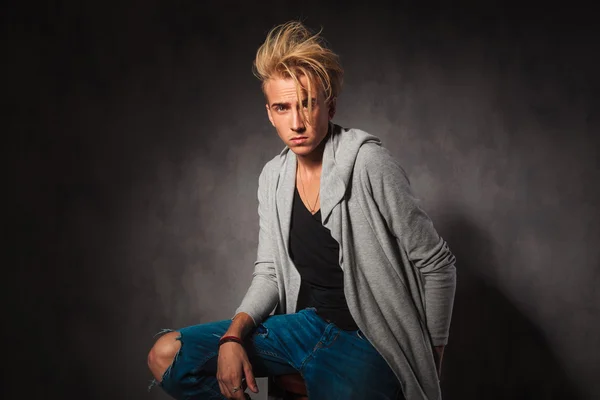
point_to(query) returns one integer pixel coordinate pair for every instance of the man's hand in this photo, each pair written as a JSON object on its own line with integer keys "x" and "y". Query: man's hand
{"x": 234, "y": 370}
{"x": 438, "y": 355}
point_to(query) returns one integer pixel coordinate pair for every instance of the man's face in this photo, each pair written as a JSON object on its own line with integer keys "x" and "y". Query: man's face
{"x": 285, "y": 113}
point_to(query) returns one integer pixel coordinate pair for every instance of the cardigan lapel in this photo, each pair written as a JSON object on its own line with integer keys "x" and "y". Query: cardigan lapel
{"x": 285, "y": 195}
{"x": 333, "y": 187}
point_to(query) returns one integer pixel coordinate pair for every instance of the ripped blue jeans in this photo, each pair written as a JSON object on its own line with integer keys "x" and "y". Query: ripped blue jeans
{"x": 334, "y": 363}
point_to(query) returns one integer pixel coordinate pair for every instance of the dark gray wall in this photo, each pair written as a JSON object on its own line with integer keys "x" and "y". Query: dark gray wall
{"x": 138, "y": 132}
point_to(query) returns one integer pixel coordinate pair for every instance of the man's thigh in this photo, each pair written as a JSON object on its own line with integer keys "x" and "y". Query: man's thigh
{"x": 346, "y": 366}
{"x": 284, "y": 340}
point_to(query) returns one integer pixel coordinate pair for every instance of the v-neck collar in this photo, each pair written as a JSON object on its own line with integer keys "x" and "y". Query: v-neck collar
{"x": 303, "y": 206}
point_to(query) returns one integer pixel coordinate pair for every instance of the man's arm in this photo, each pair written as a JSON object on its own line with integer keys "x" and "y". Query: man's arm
{"x": 259, "y": 301}
{"x": 241, "y": 325}
{"x": 415, "y": 232}
{"x": 263, "y": 294}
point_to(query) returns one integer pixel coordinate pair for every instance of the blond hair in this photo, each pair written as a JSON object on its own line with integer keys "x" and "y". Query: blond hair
{"x": 290, "y": 51}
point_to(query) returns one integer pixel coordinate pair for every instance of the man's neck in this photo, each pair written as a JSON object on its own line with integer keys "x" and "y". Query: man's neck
{"x": 312, "y": 163}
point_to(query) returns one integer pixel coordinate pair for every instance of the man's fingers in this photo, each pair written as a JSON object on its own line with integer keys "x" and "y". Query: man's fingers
{"x": 224, "y": 390}
{"x": 239, "y": 393}
{"x": 232, "y": 390}
{"x": 224, "y": 386}
{"x": 250, "y": 381}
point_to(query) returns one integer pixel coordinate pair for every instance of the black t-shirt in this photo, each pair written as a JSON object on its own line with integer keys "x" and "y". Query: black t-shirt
{"x": 316, "y": 256}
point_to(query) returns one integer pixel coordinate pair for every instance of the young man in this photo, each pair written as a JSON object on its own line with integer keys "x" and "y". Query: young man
{"x": 360, "y": 284}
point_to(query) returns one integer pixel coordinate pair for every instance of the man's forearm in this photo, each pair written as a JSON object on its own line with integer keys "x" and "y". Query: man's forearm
{"x": 241, "y": 325}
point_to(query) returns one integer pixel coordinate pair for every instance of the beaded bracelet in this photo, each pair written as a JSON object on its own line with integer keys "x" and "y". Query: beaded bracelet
{"x": 226, "y": 339}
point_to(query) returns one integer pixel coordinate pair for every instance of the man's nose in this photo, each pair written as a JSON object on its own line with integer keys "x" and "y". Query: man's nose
{"x": 297, "y": 121}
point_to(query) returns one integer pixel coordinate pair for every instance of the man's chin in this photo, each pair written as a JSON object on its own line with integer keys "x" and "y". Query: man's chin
{"x": 308, "y": 147}
{"x": 301, "y": 149}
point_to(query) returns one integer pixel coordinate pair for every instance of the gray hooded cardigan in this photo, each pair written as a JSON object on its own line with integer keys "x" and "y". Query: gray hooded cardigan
{"x": 399, "y": 275}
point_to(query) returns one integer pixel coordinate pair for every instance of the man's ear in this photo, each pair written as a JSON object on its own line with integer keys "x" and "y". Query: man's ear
{"x": 269, "y": 114}
{"x": 332, "y": 107}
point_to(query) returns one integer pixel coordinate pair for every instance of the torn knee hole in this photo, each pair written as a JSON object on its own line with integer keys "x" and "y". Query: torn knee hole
{"x": 164, "y": 353}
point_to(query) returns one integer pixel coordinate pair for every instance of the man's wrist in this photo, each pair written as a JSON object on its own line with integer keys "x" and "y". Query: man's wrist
{"x": 241, "y": 324}
{"x": 230, "y": 338}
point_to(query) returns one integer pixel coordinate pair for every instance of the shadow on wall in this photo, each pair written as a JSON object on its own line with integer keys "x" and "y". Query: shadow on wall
{"x": 494, "y": 351}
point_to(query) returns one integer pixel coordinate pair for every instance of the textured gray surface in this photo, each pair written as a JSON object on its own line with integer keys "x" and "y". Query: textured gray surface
{"x": 140, "y": 133}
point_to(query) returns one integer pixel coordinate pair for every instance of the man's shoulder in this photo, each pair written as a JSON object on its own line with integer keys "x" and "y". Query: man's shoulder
{"x": 274, "y": 164}
{"x": 272, "y": 167}
{"x": 374, "y": 159}
{"x": 373, "y": 155}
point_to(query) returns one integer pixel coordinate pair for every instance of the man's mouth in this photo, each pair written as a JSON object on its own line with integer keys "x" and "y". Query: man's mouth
{"x": 298, "y": 139}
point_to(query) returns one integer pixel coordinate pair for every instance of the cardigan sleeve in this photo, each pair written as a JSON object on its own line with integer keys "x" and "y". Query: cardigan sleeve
{"x": 263, "y": 294}
{"x": 414, "y": 230}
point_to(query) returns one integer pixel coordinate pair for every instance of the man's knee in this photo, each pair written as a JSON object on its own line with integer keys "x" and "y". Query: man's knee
{"x": 163, "y": 353}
